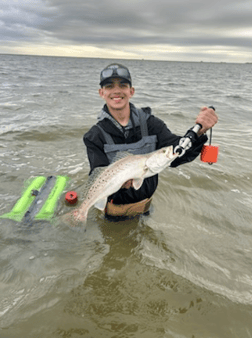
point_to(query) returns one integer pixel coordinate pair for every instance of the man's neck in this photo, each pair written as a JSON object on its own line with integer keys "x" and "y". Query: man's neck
{"x": 121, "y": 116}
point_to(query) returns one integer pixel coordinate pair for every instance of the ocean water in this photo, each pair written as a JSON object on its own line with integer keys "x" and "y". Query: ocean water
{"x": 185, "y": 270}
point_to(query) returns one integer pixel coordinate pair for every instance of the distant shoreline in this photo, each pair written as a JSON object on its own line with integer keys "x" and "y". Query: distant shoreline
{"x": 140, "y": 60}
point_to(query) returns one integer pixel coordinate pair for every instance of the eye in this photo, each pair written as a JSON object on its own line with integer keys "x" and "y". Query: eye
{"x": 108, "y": 85}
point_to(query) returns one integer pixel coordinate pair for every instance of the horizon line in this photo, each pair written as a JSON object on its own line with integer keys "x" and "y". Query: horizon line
{"x": 109, "y": 58}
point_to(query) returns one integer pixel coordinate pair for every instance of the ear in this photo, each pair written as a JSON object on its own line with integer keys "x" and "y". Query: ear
{"x": 132, "y": 91}
{"x": 101, "y": 92}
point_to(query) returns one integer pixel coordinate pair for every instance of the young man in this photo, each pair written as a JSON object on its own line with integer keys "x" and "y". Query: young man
{"x": 123, "y": 127}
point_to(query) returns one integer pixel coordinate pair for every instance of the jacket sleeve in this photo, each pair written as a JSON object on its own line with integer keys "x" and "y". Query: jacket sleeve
{"x": 167, "y": 138}
{"x": 95, "y": 152}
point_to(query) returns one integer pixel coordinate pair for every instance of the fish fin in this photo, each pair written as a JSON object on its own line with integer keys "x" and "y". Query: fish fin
{"x": 137, "y": 183}
{"x": 120, "y": 155}
{"x": 95, "y": 173}
{"x": 98, "y": 170}
{"x": 101, "y": 204}
{"x": 91, "y": 179}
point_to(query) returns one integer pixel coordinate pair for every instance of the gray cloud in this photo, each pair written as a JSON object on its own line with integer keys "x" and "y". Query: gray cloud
{"x": 110, "y": 23}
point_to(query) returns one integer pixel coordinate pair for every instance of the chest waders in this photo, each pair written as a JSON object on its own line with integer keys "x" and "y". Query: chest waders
{"x": 146, "y": 145}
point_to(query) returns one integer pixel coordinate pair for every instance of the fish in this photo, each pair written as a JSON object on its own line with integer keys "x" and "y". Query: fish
{"x": 104, "y": 181}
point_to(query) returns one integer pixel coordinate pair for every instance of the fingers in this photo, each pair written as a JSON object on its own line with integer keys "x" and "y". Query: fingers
{"x": 207, "y": 118}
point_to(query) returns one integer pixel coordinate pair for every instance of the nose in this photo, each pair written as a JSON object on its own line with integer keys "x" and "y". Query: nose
{"x": 117, "y": 86}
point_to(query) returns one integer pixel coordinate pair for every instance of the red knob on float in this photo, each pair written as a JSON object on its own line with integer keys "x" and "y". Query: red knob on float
{"x": 71, "y": 197}
{"x": 209, "y": 154}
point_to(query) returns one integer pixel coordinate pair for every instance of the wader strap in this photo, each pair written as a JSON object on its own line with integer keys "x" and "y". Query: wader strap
{"x": 143, "y": 126}
{"x": 143, "y": 123}
{"x": 106, "y": 135}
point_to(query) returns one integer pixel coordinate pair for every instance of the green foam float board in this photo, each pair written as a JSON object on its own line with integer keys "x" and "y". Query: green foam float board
{"x": 25, "y": 202}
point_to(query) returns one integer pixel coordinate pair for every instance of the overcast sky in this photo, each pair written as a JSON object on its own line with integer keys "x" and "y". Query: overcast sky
{"x": 183, "y": 30}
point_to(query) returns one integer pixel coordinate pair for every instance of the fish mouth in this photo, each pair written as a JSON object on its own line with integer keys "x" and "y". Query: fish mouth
{"x": 169, "y": 152}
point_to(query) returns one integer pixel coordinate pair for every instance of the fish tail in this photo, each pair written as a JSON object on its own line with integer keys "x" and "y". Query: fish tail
{"x": 82, "y": 215}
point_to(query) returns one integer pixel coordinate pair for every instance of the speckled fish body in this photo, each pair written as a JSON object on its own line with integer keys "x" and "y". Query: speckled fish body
{"x": 105, "y": 181}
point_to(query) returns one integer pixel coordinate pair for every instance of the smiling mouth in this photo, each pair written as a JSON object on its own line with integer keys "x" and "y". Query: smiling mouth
{"x": 117, "y": 98}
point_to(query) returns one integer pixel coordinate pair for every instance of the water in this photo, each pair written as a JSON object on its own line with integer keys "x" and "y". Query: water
{"x": 183, "y": 271}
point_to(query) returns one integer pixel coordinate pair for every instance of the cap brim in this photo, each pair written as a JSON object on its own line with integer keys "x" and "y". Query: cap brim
{"x": 108, "y": 80}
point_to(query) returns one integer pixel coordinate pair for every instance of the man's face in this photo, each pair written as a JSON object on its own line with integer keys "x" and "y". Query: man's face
{"x": 117, "y": 94}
